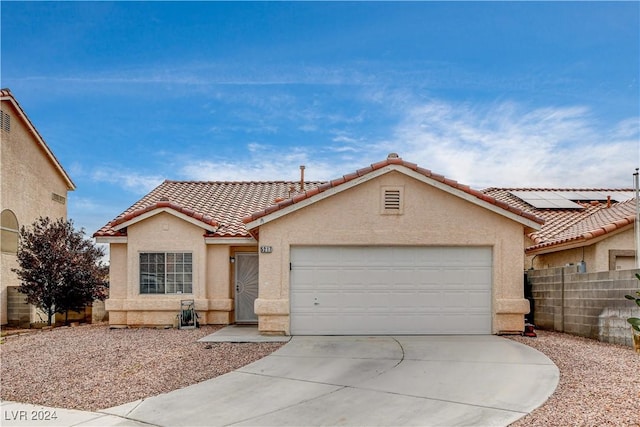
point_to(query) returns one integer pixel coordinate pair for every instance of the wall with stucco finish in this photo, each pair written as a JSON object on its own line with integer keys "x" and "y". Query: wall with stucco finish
{"x": 212, "y": 274}
{"x": 431, "y": 217}
{"x": 28, "y": 179}
{"x": 596, "y": 255}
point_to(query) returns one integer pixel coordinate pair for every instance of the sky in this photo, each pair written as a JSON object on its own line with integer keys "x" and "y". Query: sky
{"x": 491, "y": 94}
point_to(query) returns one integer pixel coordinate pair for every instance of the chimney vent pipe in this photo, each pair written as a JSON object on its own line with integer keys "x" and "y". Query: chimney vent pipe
{"x": 302, "y": 177}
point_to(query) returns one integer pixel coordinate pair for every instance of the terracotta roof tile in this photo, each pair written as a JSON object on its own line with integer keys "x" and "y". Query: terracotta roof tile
{"x": 228, "y": 206}
{"x": 398, "y": 161}
{"x": 564, "y": 226}
{"x": 217, "y": 204}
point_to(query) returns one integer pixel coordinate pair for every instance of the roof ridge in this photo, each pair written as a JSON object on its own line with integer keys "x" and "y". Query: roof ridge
{"x": 555, "y": 189}
{"x": 392, "y": 159}
{"x": 173, "y": 181}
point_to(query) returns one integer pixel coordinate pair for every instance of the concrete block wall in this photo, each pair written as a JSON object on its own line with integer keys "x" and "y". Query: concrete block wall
{"x": 589, "y": 304}
{"x": 18, "y": 311}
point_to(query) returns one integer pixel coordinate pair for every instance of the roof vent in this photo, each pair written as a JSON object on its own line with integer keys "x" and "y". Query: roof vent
{"x": 393, "y": 156}
{"x": 5, "y": 121}
{"x": 392, "y": 200}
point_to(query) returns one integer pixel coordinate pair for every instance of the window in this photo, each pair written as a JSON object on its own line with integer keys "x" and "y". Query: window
{"x": 166, "y": 273}
{"x": 9, "y": 232}
{"x": 58, "y": 198}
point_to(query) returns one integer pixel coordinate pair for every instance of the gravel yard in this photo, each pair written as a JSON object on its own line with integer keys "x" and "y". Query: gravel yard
{"x": 93, "y": 367}
{"x": 599, "y": 383}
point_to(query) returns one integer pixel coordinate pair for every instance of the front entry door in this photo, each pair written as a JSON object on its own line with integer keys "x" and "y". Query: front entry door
{"x": 246, "y": 287}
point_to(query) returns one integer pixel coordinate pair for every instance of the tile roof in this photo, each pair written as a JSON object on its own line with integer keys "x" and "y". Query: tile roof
{"x": 391, "y": 160}
{"x": 563, "y": 226}
{"x": 228, "y": 206}
{"x": 218, "y": 204}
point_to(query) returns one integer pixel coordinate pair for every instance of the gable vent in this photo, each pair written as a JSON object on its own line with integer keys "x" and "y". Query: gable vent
{"x": 5, "y": 121}
{"x": 392, "y": 200}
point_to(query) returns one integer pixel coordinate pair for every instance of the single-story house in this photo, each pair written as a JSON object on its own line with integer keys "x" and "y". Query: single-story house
{"x": 389, "y": 249}
{"x": 592, "y": 228}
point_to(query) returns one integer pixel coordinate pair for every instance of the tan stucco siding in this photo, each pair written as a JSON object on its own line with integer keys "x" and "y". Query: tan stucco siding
{"x": 565, "y": 257}
{"x": 167, "y": 233}
{"x": 595, "y": 253}
{"x": 431, "y": 217}
{"x": 28, "y": 179}
{"x": 160, "y": 233}
{"x": 624, "y": 240}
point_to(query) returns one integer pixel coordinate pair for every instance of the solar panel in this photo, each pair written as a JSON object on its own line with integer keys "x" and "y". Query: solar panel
{"x": 546, "y": 200}
{"x": 566, "y": 199}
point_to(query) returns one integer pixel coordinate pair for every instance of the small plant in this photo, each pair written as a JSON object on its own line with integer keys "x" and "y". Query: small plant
{"x": 634, "y": 321}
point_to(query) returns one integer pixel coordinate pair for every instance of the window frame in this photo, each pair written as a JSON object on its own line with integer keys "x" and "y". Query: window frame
{"x": 165, "y": 273}
{"x": 10, "y": 230}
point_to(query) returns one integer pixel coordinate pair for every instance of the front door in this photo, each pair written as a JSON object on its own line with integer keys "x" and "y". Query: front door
{"x": 246, "y": 287}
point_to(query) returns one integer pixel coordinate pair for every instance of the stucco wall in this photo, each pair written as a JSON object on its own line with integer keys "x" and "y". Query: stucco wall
{"x": 167, "y": 233}
{"x": 431, "y": 217}
{"x": 28, "y": 179}
{"x": 596, "y": 255}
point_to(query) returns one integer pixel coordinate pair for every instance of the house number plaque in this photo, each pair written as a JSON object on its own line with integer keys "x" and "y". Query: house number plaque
{"x": 266, "y": 249}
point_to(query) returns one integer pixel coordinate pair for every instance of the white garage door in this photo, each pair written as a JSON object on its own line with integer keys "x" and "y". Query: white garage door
{"x": 338, "y": 290}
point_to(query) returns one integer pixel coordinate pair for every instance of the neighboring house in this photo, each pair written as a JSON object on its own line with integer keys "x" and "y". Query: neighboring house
{"x": 593, "y": 228}
{"x": 34, "y": 184}
{"x": 389, "y": 249}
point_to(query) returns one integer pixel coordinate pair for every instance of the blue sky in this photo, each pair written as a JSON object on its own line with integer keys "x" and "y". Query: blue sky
{"x": 128, "y": 94}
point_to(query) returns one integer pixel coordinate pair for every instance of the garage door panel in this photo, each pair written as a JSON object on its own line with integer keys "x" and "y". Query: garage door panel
{"x": 390, "y": 290}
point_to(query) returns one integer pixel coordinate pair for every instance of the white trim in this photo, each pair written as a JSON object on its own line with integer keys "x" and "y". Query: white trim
{"x": 170, "y": 211}
{"x": 384, "y": 170}
{"x": 250, "y": 241}
{"x": 114, "y": 239}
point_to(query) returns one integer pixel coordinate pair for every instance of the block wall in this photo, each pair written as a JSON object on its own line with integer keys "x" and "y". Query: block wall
{"x": 590, "y": 305}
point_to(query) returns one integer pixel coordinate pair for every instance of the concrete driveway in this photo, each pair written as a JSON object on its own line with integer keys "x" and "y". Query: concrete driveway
{"x": 374, "y": 381}
{"x": 347, "y": 381}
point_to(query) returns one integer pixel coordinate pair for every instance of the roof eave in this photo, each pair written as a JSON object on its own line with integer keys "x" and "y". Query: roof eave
{"x": 8, "y": 96}
{"x": 585, "y": 239}
{"x": 250, "y": 241}
{"x": 110, "y": 239}
{"x": 529, "y": 223}
{"x": 159, "y": 210}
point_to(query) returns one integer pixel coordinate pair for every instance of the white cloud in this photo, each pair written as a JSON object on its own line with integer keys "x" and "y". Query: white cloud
{"x": 500, "y": 144}
{"x": 127, "y": 179}
{"x": 507, "y": 145}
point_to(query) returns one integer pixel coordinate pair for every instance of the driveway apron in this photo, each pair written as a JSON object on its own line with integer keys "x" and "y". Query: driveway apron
{"x": 374, "y": 381}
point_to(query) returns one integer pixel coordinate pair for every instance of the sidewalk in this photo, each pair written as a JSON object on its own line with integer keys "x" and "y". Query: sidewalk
{"x": 25, "y": 415}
